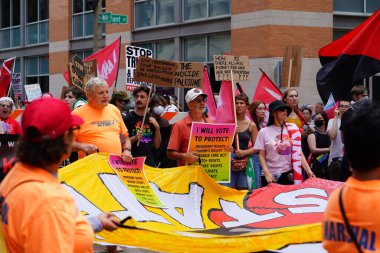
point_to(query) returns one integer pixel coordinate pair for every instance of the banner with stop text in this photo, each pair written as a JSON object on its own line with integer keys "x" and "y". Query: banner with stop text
{"x": 132, "y": 175}
{"x": 210, "y": 142}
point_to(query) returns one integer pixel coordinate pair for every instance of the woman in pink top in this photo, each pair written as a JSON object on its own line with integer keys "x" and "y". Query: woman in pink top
{"x": 275, "y": 147}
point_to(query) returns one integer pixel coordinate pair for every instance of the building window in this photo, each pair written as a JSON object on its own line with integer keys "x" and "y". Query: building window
{"x": 10, "y": 24}
{"x": 81, "y": 53}
{"x": 83, "y": 19}
{"x": 356, "y": 6}
{"x": 37, "y": 71}
{"x": 198, "y": 9}
{"x": 37, "y": 21}
{"x": 162, "y": 50}
{"x": 153, "y": 12}
{"x": 203, "y": 48}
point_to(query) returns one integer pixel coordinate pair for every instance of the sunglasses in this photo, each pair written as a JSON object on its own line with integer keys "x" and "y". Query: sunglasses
{"x": 200, "y": 99}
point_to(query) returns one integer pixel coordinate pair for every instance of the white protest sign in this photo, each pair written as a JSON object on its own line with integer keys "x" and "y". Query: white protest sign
{"x": 33, "y": 91}
{"x": 132, "y": 53}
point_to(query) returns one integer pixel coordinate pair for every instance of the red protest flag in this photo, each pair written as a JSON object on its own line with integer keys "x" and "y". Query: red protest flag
{"x": 350, "y": 59}
{"x": 266, "y": 90}
{"x": 5, "y": 77}
{"x": 107, "y": 61}
{"x": 225, "y": 111}
{"x": 206, "y": 88}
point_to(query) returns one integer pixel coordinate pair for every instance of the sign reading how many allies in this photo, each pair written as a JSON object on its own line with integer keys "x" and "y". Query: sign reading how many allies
{"x": 210, "y": 142}
{"x": 159, "y": 72}
{"x": 224, "y": 64}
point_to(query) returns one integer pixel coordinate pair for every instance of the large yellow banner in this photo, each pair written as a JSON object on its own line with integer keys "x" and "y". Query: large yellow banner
{"x": 199, "y": 214}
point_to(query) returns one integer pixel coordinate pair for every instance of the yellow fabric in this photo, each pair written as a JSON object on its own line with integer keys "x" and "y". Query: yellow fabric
{"x": 173, "y": 229}
{"x": 101, "y": 128}
{"x": 296, "y": 121}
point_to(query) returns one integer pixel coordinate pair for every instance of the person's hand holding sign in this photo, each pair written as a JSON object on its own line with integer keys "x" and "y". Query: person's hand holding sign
{"x": 190, "y": 157}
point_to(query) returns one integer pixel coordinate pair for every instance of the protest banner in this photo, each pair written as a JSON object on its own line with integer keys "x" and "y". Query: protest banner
{"x": 132, "y": 175}
{"x": 189, "y": 75}
{"x": 33, "y": 91}
{"x": 224, "y": 64}
{"x": 7, "y": 153}
{"x": 159, "y": 72}
{"x": 210, "y": 142}
{"x": 132, "y": 53}
{"x": 200, "y": 214}
{"x": 80, "y": 72}
{"x": 173, "y": 117}
{"x": 16, "y": 84}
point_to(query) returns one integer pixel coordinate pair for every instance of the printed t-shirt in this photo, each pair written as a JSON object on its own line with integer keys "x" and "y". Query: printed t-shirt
{"x": 145, "y": 148}
{"x": 278, "y": 154}
{"x": 11, "y": 126}
{"x": 336, "y": 148}
{"x": 40, "y": 215}
{"x": 361, "y": 203}
{"x": 180, "y": 136}
{"x": 101, "y": 128}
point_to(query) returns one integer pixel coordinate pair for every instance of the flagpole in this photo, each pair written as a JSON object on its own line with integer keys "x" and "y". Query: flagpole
{"x": 145, "y": 111}
{"x": 118, "y": 63}
{"x": 234, "y": 108}
{"x": 290, "y": 71}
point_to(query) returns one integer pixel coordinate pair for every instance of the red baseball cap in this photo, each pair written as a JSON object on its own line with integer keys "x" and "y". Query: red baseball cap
{"x": 47, "y": 119}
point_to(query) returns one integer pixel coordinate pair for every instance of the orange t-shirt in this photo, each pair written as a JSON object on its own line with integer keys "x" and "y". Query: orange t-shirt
{"x": 101, "y": 128}
{"x": 40, "y": 215}
{"x": 361, "y": 203}
{"x": 296, "y": 121}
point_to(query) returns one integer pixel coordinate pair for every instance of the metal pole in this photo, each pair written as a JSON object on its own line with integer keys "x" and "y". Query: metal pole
{"x": 97, "y": 28}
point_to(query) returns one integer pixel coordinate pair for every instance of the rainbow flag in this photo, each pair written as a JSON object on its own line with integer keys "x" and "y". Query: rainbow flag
{"x": 322, "y": 157}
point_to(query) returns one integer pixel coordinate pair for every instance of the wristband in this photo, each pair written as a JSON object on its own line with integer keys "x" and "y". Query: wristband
{"x": 129, "y": 149}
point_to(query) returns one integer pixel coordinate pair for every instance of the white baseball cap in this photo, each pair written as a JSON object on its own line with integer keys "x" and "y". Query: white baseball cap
{"x": 193, "y": 94}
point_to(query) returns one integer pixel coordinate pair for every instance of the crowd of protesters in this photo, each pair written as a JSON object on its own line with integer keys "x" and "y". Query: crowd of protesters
{"x": 264, "y": 135}
{"x": 96, "y": 124}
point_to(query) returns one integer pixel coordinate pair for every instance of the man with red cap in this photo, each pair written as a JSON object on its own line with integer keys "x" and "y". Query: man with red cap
{"x": 38, "y": 213}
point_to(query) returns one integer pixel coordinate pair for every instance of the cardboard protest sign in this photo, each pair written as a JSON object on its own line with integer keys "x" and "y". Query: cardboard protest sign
{"x": 159, "y": 72}
{"x": 132, "y": 175}
{"x": 189, "y": 75}
{"x": 33, "y": 91}
{"x": 210, "y": 141}
{"x": 132, "y": 53}
{"x": 80, "y": 72}
{"x": 16, "y": 84}
{"x": 224, "y": 64}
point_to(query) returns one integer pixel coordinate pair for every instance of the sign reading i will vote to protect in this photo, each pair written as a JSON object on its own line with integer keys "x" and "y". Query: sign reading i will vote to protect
{"x": 210, "y": 142}
{"x": 132, "y": 175}
{"x": 225, "y": 64}
{"x": 159, "y": 72}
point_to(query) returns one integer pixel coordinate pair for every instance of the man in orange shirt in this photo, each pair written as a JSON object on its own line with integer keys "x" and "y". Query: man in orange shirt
{"x": 358, "y": 200}
{"x": 38, "y": 214}
{"x": 103, "y": 125}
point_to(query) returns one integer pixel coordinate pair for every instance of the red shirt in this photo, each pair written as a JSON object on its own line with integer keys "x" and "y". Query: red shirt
{"x": 12, "y": 126}
{"x": 180, "y": 136}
